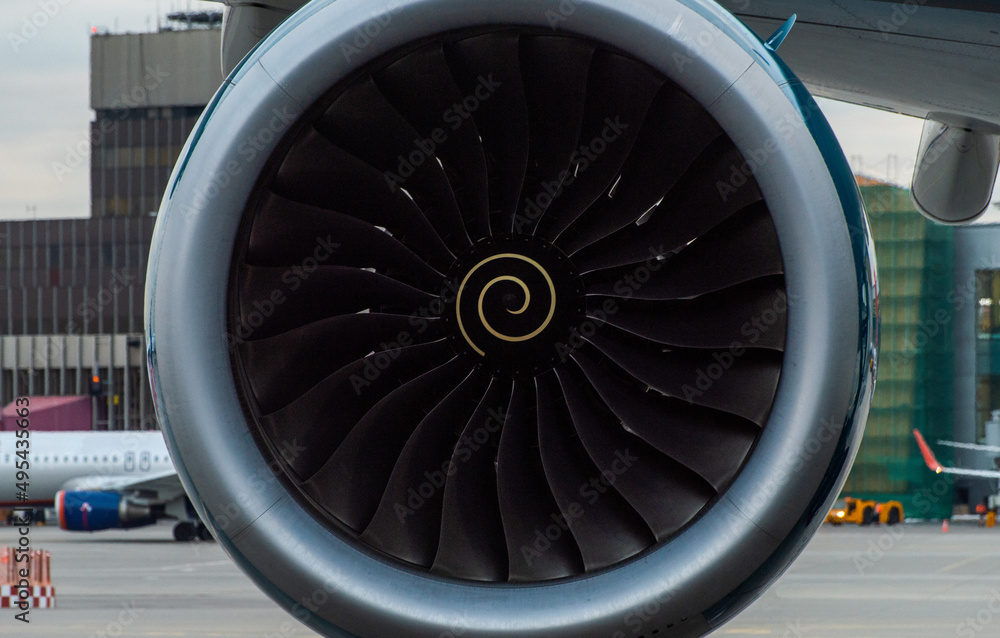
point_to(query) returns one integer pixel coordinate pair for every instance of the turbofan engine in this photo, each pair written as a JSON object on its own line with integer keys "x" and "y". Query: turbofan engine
{"x": 93, "y": 511}
{"x": 476, "y": 318}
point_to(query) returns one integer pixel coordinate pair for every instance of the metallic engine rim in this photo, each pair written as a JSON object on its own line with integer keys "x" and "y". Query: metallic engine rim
{"x": 263, "y": 528}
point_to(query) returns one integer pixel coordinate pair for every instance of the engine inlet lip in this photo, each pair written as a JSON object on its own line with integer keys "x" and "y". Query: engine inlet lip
{"x": 201, "y": 413}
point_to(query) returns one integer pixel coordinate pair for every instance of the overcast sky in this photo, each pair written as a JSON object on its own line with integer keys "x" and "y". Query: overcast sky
{"x": 44, "y": 105}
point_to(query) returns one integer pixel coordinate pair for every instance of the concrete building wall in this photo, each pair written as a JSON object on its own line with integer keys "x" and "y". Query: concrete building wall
{"x": 71, "y": 306}
{"x": 163, "y": 69}
{"x": 147, "y": 91}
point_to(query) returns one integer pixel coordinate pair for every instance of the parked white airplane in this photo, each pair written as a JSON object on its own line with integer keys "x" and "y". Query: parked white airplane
{"x": 97, "y": 480}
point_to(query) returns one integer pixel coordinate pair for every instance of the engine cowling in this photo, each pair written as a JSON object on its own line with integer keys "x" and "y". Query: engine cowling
{"x": 502, "y": 319}
{"x": 94, "y": 511}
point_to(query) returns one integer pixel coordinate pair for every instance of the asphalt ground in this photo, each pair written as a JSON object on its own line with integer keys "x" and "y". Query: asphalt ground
{"x": 908, "y": 581}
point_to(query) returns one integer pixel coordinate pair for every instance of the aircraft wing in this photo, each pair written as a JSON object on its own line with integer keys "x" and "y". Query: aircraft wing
{"x": 918, "y": 58}
{"x": 935, "y": 466}
{"x": 932, "y": 59}
{"x": 159, "y": 487}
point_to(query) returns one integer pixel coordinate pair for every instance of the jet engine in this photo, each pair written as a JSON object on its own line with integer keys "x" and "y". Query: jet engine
{"x": 520, "y": 318}
{"x": 93, "y": 511}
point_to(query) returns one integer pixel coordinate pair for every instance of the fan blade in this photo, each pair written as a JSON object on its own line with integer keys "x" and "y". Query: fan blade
{"x": 742, "y": 249}
{"x": 666, "y": 494}
{"x": 539, "y": 544}
{"x": 712, "y": 444}
{"x": 502, "y": 119}
{"x": 284, "y": 367}
{"x": 277, "y": 300}
{"x": 669, "y": 229}
{"x": 675, "y": 134}
{"x": 750, "y": 315}
{"x": 317, "y": 173}
{"x": 350, "y": 485}
{"x": 555, "y": 79}
{"x": 619, "y": 94}
{"x": 286, "y": 233}
{"x": 740, "y": 381}
{"x": 324, "y": 415}
{"x": 472, "y": 536}
{"x": 407, "y": 523}
{"x": 363, "y": 123}
{"x": 607, "y": 529}
{"x": 421, "y": 87}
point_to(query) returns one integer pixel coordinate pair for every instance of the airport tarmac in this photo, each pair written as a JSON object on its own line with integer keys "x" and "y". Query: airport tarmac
{"x": 910, "y": 580}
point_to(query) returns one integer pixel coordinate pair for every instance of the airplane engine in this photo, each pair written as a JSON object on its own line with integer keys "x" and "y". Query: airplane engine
{"x": 476, "y": 318}
{"x": 94, "y": 511}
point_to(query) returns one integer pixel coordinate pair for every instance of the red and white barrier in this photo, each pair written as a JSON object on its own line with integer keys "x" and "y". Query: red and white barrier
{"x": 38, "y": 593}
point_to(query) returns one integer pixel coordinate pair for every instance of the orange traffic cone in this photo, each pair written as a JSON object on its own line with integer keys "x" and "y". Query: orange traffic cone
{"x": 944, "y": 526}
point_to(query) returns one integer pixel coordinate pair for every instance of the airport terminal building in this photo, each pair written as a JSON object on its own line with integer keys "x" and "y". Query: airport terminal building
{"x": 71, "y": 291}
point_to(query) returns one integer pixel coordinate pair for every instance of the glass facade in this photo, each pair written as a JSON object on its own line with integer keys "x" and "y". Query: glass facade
{"x": 915, "y": 379}
{"x": 987, "y": 348}
{"x": 132, "y": 155}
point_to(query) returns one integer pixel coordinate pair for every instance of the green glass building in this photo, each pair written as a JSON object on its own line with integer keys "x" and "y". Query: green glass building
{"x": 915, "y": 373}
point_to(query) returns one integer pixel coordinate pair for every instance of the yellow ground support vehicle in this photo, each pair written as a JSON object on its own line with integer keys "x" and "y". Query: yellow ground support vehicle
{"x": 890, "y": 513}
{"x": 865, "y": 512}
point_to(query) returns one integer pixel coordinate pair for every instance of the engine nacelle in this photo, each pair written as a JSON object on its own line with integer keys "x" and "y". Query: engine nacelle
{"x": 512, "y": 318}
{"x": 956, "y": 169}
{"x": 93, "y": 511}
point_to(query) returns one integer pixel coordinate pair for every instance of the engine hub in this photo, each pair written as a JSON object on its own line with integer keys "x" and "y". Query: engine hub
{"x": 513, "y": 302}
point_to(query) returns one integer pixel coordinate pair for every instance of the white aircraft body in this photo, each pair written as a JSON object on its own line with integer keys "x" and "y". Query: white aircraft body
{"x": 95, "y": 480}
